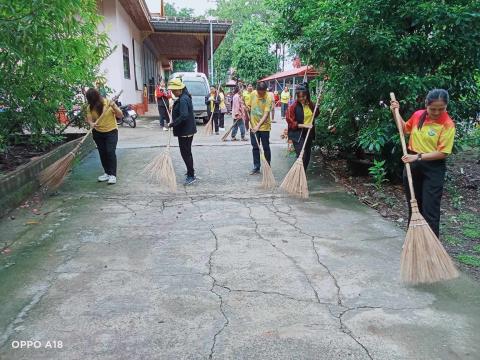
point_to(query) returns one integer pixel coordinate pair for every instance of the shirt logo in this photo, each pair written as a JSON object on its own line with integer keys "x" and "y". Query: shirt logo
{"x": 431, "y": 132}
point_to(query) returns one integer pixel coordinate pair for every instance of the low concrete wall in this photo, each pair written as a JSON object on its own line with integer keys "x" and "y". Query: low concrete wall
{"x": 19, "y": 184}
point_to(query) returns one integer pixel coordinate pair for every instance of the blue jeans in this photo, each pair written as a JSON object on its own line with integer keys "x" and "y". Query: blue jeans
{"x": 263, "y": 137}
{"x": 239, "y": 124}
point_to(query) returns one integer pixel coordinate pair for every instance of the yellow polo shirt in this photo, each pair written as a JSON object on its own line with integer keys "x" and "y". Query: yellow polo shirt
{"x": 246, "y": 97}
{"x": 108, "y": 122}
{"x": 435, "y": 135}
{"x": 285, "y": 97}
{"x": 259, "y": 107}
{"x": 307, "y": 115}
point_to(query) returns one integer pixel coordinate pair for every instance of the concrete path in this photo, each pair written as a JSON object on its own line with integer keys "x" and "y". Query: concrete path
{"x": 219, "y": 270}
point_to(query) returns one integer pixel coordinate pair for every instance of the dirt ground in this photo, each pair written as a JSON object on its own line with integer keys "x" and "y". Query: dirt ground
{"x": 460, "y": 222}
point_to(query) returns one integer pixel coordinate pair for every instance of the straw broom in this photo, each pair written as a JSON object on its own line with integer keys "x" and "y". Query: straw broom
{"x": 225, "y": 136}
{"x": 268, "y": 180}
{"x": 208, "y": 130}
{"x": 160, "y": 169}
{"x": 295, "y": 182}
{"x": 423, "y": 259}
{"x": 54, "y": 175}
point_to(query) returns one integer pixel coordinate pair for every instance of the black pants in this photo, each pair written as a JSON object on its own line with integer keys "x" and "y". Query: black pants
{"x": 185, "y": 144}
{"x": 263, "y": 138}
{"x": 221, "y": 120}
{"x": 284, "y": 109}
{"x": 162, "y": 110}
{"x": 298, "y": 141}
{"x": 107, "y": 144}
{"x": 215, "y": 121}
{"x": 428, "y": 179}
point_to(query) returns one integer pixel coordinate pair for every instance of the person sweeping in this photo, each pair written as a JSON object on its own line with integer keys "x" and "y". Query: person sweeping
{"x": 213, "y": 101}
{"x": 300, "y": 118}
{"x": 260, "y": 125}
{"x": 432, "y": 133}
{"x": 183, "y": 124}
{"x": 104, "y": 132}
{"x": 238, "y": 114}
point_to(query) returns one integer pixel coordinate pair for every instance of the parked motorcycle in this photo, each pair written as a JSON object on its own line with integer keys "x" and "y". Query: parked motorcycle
{"x": 129, "y": 115}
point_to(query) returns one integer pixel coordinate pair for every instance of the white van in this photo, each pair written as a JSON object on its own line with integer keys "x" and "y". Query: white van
{"x": 198, "y": 87}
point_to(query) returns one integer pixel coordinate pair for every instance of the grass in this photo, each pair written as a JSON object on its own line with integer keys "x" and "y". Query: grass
{"x": 472, "y": 233}
{"x": 476, "y": 248}
{"x": 452, "y": 240}
{"x": 471, "y": 260}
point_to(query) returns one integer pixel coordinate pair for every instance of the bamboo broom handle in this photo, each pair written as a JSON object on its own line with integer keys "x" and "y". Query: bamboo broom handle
{"x": 170, "y": 118}
{"x": 396, "y": 117}
{"x": 75, "y": 149}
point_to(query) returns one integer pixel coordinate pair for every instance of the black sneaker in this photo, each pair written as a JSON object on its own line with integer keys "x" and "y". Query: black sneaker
{"x": 255, "y": 172}
{"x": 189, "y": 180}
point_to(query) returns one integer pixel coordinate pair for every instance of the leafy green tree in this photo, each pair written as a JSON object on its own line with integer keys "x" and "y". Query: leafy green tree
{"x": 49, "y": 51}
{"x": 253, "y": 15}
{"x": 171, "y": 10}
{"x": 251, "y": 56}
{"x": 372, "y": 47}
{"x": 184, "y": 65}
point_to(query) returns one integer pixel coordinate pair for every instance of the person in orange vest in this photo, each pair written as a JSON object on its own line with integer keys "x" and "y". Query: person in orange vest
{"x": 163, "y": 96}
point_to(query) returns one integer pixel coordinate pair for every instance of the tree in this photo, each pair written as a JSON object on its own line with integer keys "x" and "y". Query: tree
{"x": 184, "y": 65}
{"x": 372, "y": 47}
{"x": 171, "y": 10}
{"x": 255, "y": 16}
{"x": 49, "y": 50}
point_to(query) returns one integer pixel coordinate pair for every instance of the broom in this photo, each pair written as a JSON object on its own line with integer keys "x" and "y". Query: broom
{"x": 54, "y": 175}
{"x": 423, "y": 259}
{"x": 295, "y": 182}
{"x": 160, "y": 169}
{"x": 224, "y": 137}
{"x": 268, "y": 180}
{"x": 208, "y": 130}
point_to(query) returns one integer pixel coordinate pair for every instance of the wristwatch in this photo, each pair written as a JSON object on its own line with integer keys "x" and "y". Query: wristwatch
{"x": 419, "y": 157}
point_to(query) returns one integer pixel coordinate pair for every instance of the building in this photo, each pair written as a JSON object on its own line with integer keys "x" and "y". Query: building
{"x": 145, "y": 44}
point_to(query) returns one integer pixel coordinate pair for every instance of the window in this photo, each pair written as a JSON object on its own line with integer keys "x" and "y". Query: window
{"x": 126, "y": 63}
{"x": 196, "y": 88}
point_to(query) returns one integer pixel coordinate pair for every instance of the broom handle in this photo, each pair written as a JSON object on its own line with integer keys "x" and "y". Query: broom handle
{"x": 75, "y": 149}
{"x": 170, "y": 118}
{"x": 396, "y": 117}
{"x": 313, "y": 117}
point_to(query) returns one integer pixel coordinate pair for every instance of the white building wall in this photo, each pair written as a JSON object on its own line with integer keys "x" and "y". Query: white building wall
{"x": 121, "y": 30}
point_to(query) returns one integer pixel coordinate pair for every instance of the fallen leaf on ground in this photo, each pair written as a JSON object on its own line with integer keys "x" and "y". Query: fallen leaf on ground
{"x": 32, "y": 222}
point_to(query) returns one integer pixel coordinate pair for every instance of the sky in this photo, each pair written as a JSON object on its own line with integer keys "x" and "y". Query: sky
{"x": 199, "y": 6}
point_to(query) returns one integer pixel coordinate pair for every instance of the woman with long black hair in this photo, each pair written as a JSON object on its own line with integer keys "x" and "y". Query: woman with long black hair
{"x": 432, "y": 134}
{"x": 105, "y": 132}
{"x": 184, "y": 126}
{"x": 300, "y": 118}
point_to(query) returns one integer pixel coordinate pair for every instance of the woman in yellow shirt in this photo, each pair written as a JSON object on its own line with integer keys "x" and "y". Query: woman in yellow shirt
{"x": 284, "y": 99}
{"x": 105, "y": 132}
{"x": 432, "y": 133}
{"x": 300, "y": 118}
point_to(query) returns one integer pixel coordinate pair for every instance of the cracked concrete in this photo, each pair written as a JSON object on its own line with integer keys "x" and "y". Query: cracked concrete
{"x": 219, "y": 270}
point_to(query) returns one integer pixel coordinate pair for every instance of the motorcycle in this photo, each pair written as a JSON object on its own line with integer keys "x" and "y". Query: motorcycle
{"x": 129, "y": 115}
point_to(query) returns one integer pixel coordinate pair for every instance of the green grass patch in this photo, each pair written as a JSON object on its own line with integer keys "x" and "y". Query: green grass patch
{"x": 469, "y": 260}
{"x": 472, "y": 233}
{"x": 452, "y": 240}
{"x": 476, "y": 248}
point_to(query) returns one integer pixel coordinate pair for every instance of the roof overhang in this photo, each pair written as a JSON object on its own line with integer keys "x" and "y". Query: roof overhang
{"x": 184, "y": 39}
{"x": 138, "y": 12}
{"x": 189, "y": 26}
{"x": 307, "y": 71}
